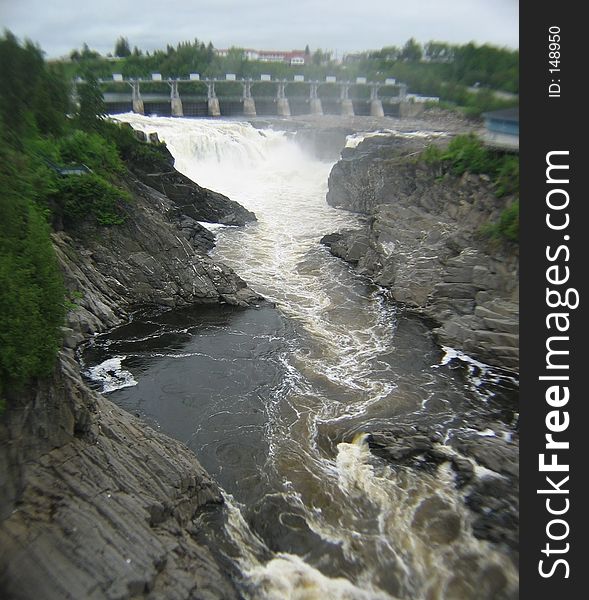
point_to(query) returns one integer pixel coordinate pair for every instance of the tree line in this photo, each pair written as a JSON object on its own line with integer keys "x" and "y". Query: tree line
{"x": 448, "y": 71}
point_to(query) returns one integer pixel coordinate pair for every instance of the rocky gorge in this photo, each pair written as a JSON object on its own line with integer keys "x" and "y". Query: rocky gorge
{"x": 422, "y": 241}
{"x": 94, "y": 504}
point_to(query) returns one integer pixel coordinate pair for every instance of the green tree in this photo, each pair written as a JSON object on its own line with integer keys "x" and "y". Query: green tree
{"x": 88, "y": 54}
{"x": 412, "y": 51}
{"x": 320, "y": 57}
{"x": 388, "y": 53}
{"x": 31, "y": 96}
{"x": 210, "y": 53}
{"x": 234, "y": 60}
{"x": 438, "y": 51}
{"x": 92, "y": 107}
{"x": 31, "y": 288}
{"x": 51, "y": 101}
{"x": 122, "y": 48}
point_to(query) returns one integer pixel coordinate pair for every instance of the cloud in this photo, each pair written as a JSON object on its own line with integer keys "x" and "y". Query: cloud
{"x": 62, "y": 25}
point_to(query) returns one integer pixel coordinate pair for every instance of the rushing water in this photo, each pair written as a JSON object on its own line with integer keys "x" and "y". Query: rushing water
{"x": 276, "y": 401}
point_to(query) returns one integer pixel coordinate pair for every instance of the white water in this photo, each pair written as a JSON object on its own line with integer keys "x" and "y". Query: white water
{"x": 388, "y": 530}
{"x": 111, "y": 375}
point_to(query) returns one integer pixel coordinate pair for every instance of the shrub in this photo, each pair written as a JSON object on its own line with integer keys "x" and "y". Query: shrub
{"x": 467, "y": 153}
{"x": 432, "y": 154}
{"x": 508, "y": 225}
{"x": 83, "y": 197}
{"x": 507, "y": 178}
{"x": 92, "y": 150}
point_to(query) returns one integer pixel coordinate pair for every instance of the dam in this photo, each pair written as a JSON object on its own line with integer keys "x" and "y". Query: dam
{"x": 229, "y": 96}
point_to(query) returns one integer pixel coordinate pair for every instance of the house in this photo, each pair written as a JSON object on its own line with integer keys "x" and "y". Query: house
{"x": 297, "y": 59}
{"x": 292, "y": 57}
{"x": 272, "y": 56}
{"x": 502, "y": 128}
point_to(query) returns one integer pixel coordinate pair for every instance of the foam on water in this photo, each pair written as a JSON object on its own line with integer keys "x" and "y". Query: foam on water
{"x": 421, "y": 526}
{"x": 111, "y": 375}
{"x": 480, "y": 374}
{"x": 213, "y": 227}
{"x": 289, "y": 577}
{"x": 353, "y": 140}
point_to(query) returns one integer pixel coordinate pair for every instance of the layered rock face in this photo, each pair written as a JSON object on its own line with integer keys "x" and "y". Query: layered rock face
{"x": 93, "y": 503}
{"x": 157, "y": 257}
{"x": 422, "y": 241}
{"x": 96, "y": 505}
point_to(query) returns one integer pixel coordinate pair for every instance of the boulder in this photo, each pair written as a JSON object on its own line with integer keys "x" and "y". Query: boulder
{"x": 486, "y": 468}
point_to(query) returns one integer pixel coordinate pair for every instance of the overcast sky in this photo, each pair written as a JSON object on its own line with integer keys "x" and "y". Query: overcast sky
{"x": 341, "y": 26}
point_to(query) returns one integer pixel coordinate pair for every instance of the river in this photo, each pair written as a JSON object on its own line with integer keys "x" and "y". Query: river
{"x": 276, "y": 401}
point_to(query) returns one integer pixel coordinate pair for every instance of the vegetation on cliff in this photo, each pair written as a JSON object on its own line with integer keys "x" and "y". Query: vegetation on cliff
{"x": 32, "y": 294}
{"x": 60, "y": 167}
{"x": 466, "y": 153}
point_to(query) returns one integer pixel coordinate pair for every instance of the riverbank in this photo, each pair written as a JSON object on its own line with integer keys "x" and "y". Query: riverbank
{"x": 423, "y": 242}
{"x": 95, "y": 504}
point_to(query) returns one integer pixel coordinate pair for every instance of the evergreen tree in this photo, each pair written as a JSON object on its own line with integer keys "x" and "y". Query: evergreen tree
{"x": 412, "y": 51}
{"x": 210, "y": 53}
{"x": 31, "y": 96}
{"x": 122, "y": 48}
{"x": 318, "y": 57}
{"x": 87, "y": 53}
{"x": 92, "y": 107}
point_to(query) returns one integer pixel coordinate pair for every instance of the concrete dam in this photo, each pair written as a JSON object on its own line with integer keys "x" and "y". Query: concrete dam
{"x": 229, "y": 96}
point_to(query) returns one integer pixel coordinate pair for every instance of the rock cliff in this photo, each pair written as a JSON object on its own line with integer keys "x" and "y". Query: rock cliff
{"x": 156, "y": 257}
{"x": 422, "y": 241}
{"x": 190, "y": 199}
{"x": 93, "y": 503}
{"x": 96, "y": 505}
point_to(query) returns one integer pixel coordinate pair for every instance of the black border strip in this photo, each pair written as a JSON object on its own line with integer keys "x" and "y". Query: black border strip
{"x": 548, "y": 124}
